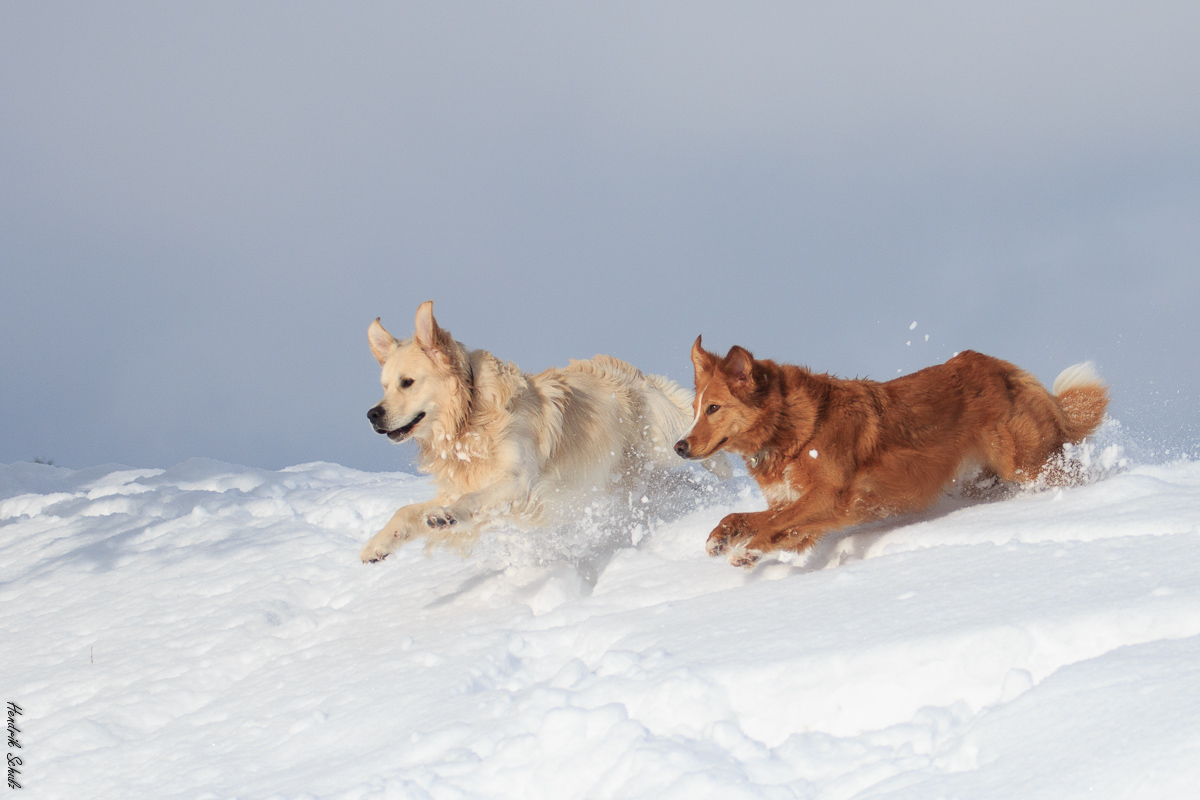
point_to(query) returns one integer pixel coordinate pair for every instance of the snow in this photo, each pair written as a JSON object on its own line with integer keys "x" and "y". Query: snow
{"x": 207, "y": 631}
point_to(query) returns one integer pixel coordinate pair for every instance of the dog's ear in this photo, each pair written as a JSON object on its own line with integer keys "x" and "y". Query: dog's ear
{"x": 739, "y": 365}
{"x": 380, "y": 340}
{"x": 702, "y": 360}
{"x": 429, "y": 337}
{"x": 425, "y": 327}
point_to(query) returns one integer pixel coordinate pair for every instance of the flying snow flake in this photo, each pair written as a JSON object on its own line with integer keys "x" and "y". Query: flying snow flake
{"x": 812, "y": 453}
{"x": 913, "y": 326}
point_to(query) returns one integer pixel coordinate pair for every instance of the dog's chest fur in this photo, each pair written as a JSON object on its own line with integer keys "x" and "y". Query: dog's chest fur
{"x": 464, "y": 452}
{"x": 782, "y": 471}
{"x": 780, "y": 480}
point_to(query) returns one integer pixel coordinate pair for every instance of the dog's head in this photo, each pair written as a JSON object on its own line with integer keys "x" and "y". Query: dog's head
{"x": 725, "y": 405}
{"x": 424, "y": 378}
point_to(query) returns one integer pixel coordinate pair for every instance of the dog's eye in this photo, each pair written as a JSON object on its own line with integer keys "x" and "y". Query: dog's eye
{"x": 406, "y": 382}
{"x": 714, "y": 408}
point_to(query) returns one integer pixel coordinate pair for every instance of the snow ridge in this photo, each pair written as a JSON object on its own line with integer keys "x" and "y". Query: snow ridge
{"x": 207, "y": 632}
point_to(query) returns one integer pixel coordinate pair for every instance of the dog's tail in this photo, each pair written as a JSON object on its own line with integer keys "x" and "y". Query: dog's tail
{"x": 1083, "y": 398}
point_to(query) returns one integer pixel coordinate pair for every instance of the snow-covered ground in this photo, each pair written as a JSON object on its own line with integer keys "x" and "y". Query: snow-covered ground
{"x": 208, "y": 632}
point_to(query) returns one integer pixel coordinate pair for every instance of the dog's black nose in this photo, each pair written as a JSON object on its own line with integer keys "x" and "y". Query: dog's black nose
{"x": 682, "y": 448}
{"x": 376, "y": 415}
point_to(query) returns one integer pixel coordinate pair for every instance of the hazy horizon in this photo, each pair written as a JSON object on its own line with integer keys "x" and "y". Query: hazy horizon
{"x": 204, "y": 206}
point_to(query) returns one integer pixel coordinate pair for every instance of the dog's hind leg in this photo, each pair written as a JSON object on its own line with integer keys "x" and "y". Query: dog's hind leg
{"x": 1017, "y": 450}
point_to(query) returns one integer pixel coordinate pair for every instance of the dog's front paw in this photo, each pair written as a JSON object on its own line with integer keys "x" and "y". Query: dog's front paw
{"x": 381, "y": 545}
{"x": 440, "y": 517}
{"x": 375, "y": 551}
{"x": 731, "y": 530}
{"x": 718, "y": 542}
{"x": 745, "y": 557}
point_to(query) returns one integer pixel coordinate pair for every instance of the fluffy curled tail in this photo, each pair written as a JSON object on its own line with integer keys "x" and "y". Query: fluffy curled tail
{"x": 1083, "y": 398}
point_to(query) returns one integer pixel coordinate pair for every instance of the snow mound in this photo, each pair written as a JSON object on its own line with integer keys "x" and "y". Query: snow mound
{"x": 208, "y": 632}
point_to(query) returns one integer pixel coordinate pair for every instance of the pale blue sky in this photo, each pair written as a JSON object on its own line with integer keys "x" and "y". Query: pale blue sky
{"x": 203, "y": 206}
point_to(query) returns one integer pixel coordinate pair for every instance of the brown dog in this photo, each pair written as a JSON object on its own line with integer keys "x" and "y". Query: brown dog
{"x": 829, "y": 452}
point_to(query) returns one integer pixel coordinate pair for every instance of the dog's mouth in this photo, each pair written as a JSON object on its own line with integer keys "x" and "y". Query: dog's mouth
{"x": 400, "y": 434}
{"x": 686, "y": 452}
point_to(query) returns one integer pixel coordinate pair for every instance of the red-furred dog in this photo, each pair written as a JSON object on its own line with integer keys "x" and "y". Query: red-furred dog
{"x": 829, "y": 452}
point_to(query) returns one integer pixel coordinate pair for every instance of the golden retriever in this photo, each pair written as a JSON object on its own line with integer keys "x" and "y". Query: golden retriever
{"x": 501, "y": 444}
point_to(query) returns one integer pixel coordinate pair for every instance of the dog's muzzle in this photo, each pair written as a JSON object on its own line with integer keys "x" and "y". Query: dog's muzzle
{"x": 684, "y": 448}
{"x": 376, "y": 415}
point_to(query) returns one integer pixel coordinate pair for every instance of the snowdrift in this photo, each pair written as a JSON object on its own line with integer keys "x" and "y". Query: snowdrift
{"x": 208, "y": 632}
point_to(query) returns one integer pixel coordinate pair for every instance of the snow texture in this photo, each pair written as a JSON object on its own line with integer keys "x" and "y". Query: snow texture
{"x": 207, "y": 632}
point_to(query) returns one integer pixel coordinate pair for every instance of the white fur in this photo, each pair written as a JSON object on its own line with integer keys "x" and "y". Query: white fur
{"x": 786, "y": 491}
{"x": 1076, "y": 376}
{"x": 501, "y": 444}
{"x": 695, "y": 419}
{"x": 782, "y": 493}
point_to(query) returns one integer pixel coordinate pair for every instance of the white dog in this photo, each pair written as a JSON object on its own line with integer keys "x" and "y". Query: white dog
{"x": 503, "y": 444}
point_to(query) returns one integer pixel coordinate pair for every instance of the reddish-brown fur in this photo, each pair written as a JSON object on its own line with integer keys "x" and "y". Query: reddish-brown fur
{"x": 829, "y": 452}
